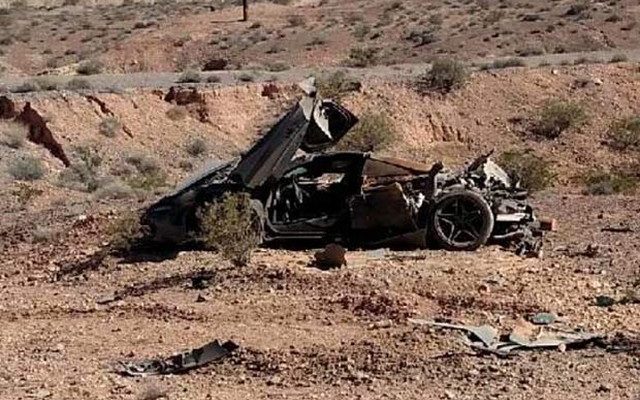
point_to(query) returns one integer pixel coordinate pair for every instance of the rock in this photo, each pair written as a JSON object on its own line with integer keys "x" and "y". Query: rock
{"x": 605, "y": 301}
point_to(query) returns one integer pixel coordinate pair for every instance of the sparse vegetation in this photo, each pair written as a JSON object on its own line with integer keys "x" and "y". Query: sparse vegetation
{"x": 556, "y": 117}
{"x": 618, "y": 58}
{"x": 110, "y": 126}
{"x": 114, "y": 190}
{"x": 361, "y": 57}
{"x": 504, "y": 63}
{"x": 245, "y": 77}
{"x": 90, "y": 67}
{"x": 231, "y": 227}
{"x": 373, "y": 132}
{"x": 196, "y": 147}
{"x": 148, "y": 174}
{"x": 26, "y": 87}
{"x": 24, "y": 193}
{"x": 625, "y": 133}
{"x": 534, "y": 173}
{"x": 445, "y": 75}
{"x": 336, "y": 85}
{"x": 26, "y": 168}
{"x": 190, "y": 76}
{"x": 296, "y": 20}
{"x": 13, "y": 134}
{"x": 78, "y": 84}
{"x": 84, "y": 172}
{"x": 600, "y": 182}
{"x": 176, "y": 113}
{"x": 126, "y": 232}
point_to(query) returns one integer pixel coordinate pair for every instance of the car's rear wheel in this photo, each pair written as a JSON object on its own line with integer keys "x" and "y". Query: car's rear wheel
{"x": 461, "y": 220}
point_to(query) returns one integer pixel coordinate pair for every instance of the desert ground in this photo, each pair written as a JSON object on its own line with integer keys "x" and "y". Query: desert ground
{"x": 98, "y": 120}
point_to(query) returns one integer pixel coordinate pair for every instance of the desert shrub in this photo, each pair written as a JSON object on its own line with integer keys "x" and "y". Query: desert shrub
{"x": 84, "y": 172}
{"x": 600, "y": 182}
{"x": 230, "y": 226}
{"x": 360, "y": 57}
{"x": 45, "y": 83}
{"x": 109, "y": 126}
{"x": 90, "y": 67}
{"x": 336, "y": 85}
{"x": 26, "y": 168}
{"x": 26, "y": 87}
{"x": 556, "y": 117}
{"x": 13, "y": 134}
{"x": 24, "y": 193}
{"x": 296, "y": 20}
{"x": 374, "y": 132}
{"x": 126, "y": 232}
{"x": 445, "y": 75}
{"x": 78, "y": 84}
{"x": 618, "y": 58}
{"x": 176, "y": 113}
{"x": 625, "y": 133}
{"x": 213, "y": 79}
{"x": 245, "y": 77}
{"x": 196, "y": 147}
{"x": 580, "y": 9}
{"x": 277, "y": 67}
{"x": 114, "y": 190}
{"x": 148, "y": 174}
{"x": 190, "y": 76}
{"x": 504, "y": 63}
{"x": 534, "y": 173}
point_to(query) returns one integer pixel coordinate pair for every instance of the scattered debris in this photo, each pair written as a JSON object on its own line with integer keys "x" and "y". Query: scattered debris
{"x": 524, "y": 336}
{"x": 178, "y": 363}
{"x": 618, "y": 229}
{"x": 333, "y": 256}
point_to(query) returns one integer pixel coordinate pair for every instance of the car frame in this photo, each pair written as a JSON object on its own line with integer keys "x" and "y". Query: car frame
{"x": 353, "y": 198}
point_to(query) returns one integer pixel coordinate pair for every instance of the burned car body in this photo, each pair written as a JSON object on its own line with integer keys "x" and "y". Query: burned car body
{"x": 353, "y": 198}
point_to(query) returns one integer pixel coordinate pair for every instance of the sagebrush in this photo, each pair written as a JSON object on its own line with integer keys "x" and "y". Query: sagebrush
{"x": 557, "y": 116}
{"x": 374, "y": 132}
{"x": 231, "y": 226}
{"x": 534, "y": 172}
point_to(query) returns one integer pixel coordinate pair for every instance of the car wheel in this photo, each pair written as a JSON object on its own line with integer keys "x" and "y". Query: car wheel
{"x": 461, "y": 220}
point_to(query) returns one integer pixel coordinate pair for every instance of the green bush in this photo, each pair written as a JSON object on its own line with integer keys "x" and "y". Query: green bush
{"x": 26, "y": 168}
{"x": 534, "y": 172}
{"x": 556, "y": 117}
{"x": 110, "y": 126}
{"x": 445, "y": 75}
{"x": 618, "y": 58}
{"x": 231, "y": 227}
{"x": 374, "y": 132}
{"x": 625, "y": 133}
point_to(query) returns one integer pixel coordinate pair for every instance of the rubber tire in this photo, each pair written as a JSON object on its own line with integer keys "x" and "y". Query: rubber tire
{"x": 487, "y": 215}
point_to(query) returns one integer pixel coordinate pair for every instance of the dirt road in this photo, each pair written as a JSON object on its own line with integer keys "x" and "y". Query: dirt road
{"x": 119, "y": 82}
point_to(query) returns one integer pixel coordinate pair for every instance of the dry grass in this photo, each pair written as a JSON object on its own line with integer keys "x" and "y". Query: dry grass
{"x": 26, "y": 168}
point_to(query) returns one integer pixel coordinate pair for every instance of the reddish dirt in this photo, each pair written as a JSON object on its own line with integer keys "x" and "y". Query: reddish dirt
{"x": 306, "y": 333}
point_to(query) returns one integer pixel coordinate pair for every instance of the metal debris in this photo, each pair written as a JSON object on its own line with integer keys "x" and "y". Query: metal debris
{"x": 524, "y": 336}
{"x": 178, "y": 363}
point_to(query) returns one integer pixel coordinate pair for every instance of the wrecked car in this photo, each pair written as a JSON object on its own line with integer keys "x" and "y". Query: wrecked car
{"x": 301, "y": 192}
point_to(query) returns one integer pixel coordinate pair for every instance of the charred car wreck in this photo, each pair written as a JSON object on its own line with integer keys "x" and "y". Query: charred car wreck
{"x": 302, "y": 193}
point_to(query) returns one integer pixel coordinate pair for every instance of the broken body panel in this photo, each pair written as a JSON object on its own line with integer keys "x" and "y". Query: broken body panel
{"x": 353, "y": 198}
